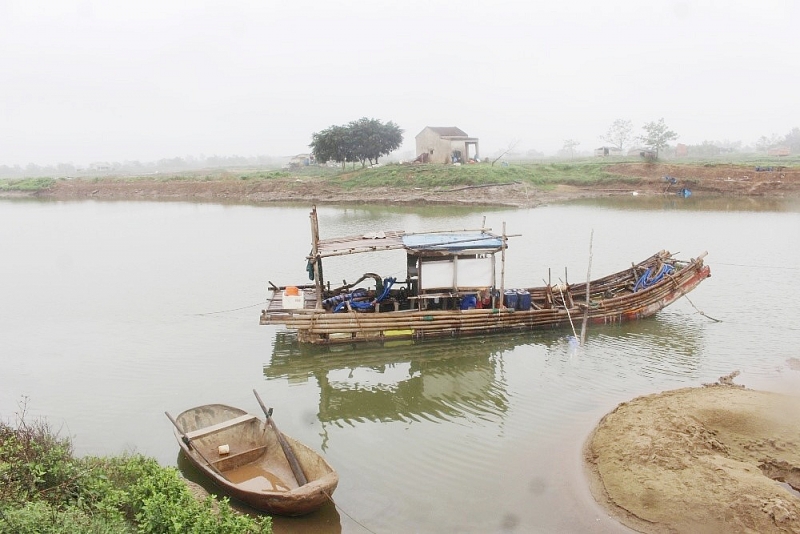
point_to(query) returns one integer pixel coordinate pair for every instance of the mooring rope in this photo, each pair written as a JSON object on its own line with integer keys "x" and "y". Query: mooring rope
{"x": 359, "y": 523}
{"x": 700, "y": 311}
{"x": 785, "y": 267}
{"x": 234, "y": 309}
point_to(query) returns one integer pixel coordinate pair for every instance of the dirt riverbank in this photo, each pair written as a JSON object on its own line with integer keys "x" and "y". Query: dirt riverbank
{"x": 720, "y": 458}
{"x": 633, "y": 178}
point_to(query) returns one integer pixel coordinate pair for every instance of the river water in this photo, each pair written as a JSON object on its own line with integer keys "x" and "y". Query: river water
{"x": 112, "y": 313}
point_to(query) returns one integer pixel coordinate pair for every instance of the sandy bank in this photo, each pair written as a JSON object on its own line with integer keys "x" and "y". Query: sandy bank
{"x": 720, "y": 458}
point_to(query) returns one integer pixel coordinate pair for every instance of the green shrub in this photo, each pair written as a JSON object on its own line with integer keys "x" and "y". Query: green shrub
{"x": 44, "y": 489}
{"x": 40, "y": 517}
{"x": 26, "y": 184}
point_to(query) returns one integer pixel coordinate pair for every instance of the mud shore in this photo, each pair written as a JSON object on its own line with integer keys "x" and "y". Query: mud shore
{"x": 719, "y": 458}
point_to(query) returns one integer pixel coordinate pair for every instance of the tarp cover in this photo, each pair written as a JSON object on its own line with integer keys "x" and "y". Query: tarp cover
{"x": 452, "y": 241}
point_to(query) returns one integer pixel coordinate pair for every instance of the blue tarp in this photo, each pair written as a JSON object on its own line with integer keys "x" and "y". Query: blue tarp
{"x": 452, "y": 241}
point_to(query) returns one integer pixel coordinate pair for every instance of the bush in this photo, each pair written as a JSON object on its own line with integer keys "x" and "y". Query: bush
{"x": 44, "y": 489}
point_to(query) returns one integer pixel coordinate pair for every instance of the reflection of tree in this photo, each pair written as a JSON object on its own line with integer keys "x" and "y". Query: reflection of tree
{"x": 415, "y": 380}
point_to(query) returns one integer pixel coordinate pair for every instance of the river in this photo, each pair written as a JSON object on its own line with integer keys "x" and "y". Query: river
{"x": 112, "y": 313}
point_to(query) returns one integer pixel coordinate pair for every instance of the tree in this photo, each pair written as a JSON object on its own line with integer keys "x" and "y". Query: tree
{"x": 764, "y": 143}
{"x": 657, "y": 135}
{"x": 619, "y": 133}
{"x": 569, "y": 146}
{"x": 364, "y": 140}
{"x": 792, "y": 140}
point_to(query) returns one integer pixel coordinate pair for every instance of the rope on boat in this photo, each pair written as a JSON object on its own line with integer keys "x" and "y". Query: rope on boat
{"x": 700, "y": 311}
{"x": 234, "y": 309}
{"x": 359, "y": 523}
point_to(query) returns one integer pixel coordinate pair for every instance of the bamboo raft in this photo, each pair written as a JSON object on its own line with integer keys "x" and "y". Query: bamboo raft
{"x": 408, "y": 312}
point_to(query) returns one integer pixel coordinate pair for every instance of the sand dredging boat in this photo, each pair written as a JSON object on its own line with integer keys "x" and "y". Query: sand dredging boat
{"x": 452, "y": 288}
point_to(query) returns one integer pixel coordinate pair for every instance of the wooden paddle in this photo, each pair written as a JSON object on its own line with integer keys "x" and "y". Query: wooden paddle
{"x": 287, "y": 449}
{"x": 188, "y": 443}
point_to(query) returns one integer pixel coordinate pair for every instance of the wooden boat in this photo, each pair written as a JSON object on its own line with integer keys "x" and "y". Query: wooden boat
{"x": 244, "y": 456}
{"x": 451, "y": 288}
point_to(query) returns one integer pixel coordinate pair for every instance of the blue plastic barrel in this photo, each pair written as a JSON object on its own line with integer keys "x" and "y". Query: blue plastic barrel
{"x": 469, "y": 302}
{"x": 523, "y": 299}
{"x": 510, "y": 298}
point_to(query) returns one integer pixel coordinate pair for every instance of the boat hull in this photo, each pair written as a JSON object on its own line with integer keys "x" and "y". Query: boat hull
{"x": 614, "y": 299}
{"x": 255, "y": 471}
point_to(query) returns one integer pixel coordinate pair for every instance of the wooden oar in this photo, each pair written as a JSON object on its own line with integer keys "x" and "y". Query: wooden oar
{"x": 188, "y": 443}
{"x": 287, "y": 449}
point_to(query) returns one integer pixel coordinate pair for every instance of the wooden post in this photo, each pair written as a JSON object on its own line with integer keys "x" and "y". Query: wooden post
{"x": 503, "y": 268}
{"x": 315, "y": 256}
{"x": 588, "y": 291}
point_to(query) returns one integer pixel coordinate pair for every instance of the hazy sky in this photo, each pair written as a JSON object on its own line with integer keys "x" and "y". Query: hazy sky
{"x": 86, "y": 81}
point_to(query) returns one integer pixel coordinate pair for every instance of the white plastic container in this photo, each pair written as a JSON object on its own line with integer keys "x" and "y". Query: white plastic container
{"x": 292, "y": 302}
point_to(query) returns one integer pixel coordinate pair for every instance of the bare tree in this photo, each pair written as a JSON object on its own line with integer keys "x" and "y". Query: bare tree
{"x": 619, "y": 133}
{"x": 508, "y": 149}
{"x": 569, "y": 146}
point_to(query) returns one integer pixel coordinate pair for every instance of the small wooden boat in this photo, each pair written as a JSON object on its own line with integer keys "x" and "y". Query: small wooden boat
{"x": 452, "y": 289}
{"x": 244, "y": 456}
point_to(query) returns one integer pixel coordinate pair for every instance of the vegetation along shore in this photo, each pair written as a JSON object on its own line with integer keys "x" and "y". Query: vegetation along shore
{"x": 522, "y": 184}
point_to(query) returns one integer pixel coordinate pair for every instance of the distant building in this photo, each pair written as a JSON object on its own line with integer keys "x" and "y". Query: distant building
{"x": 779, "y": 151}
{"x": 681, "y": 150}
{"x": 446, "y": 145}
{"x": 605, "y": 151}
{"x": 644, "y": 153}
{"x": 302, "y": 160}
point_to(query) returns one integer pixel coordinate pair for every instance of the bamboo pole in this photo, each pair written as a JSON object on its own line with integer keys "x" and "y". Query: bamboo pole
{"x": 588, "y": 293}
{"x": 315, "y": 256}
{"x": 503, "y": 269}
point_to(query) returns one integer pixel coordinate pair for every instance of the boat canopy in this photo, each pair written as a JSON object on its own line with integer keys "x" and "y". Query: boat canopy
{"x": 415, "y": 243}
{"x": 453, "y": 242}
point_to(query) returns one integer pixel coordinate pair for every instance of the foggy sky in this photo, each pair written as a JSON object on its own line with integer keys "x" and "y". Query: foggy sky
{"x": 85, "y": 81}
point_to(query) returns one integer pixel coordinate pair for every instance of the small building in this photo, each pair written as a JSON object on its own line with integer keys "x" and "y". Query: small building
{"x": 302, "y": 160}
{"x": 446, "y": 145}
{"x": 605, "y": 151}
{"x": 779, "y": 151}
{"x": 644, "y": 153}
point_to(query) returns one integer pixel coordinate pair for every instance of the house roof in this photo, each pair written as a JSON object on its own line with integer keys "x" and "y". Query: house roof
{"x": 447, "y": 131}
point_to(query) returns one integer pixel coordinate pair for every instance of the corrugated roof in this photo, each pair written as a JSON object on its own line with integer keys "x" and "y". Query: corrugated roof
{"x": 448, "y": 131}
{"x": 453, "y": 242}
{"x": 372, "y": 242}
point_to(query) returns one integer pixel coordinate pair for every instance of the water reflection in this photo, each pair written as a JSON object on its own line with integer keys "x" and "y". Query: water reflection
{"x": 404, "y": 381}
{"x": 446, "y": 380}
{"x": 698, "y": 202}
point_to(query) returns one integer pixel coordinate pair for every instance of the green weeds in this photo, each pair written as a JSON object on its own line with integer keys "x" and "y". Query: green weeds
{"x": 45, "y": 489}
{"x": 26, "y": 184}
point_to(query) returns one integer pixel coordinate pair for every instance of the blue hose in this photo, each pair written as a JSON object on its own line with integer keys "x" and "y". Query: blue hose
{"x": 364, "y": 305}
{"x": 646, "y": 281}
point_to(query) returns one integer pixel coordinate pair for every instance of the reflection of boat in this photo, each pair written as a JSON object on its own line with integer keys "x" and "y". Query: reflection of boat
{"x": 451, "y": 289}
{"x": 444, "y": 379}
{"x": 244, "y": 456}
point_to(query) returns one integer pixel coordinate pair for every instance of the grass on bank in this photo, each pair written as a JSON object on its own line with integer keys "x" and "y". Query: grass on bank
{"x": 544, "y": 174}
{"x": 26, "y": 184}
{"x": 45, "y": 489}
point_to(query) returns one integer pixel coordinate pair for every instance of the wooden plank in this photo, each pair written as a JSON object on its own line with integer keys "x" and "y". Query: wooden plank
{"x": 201, "y": 432}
